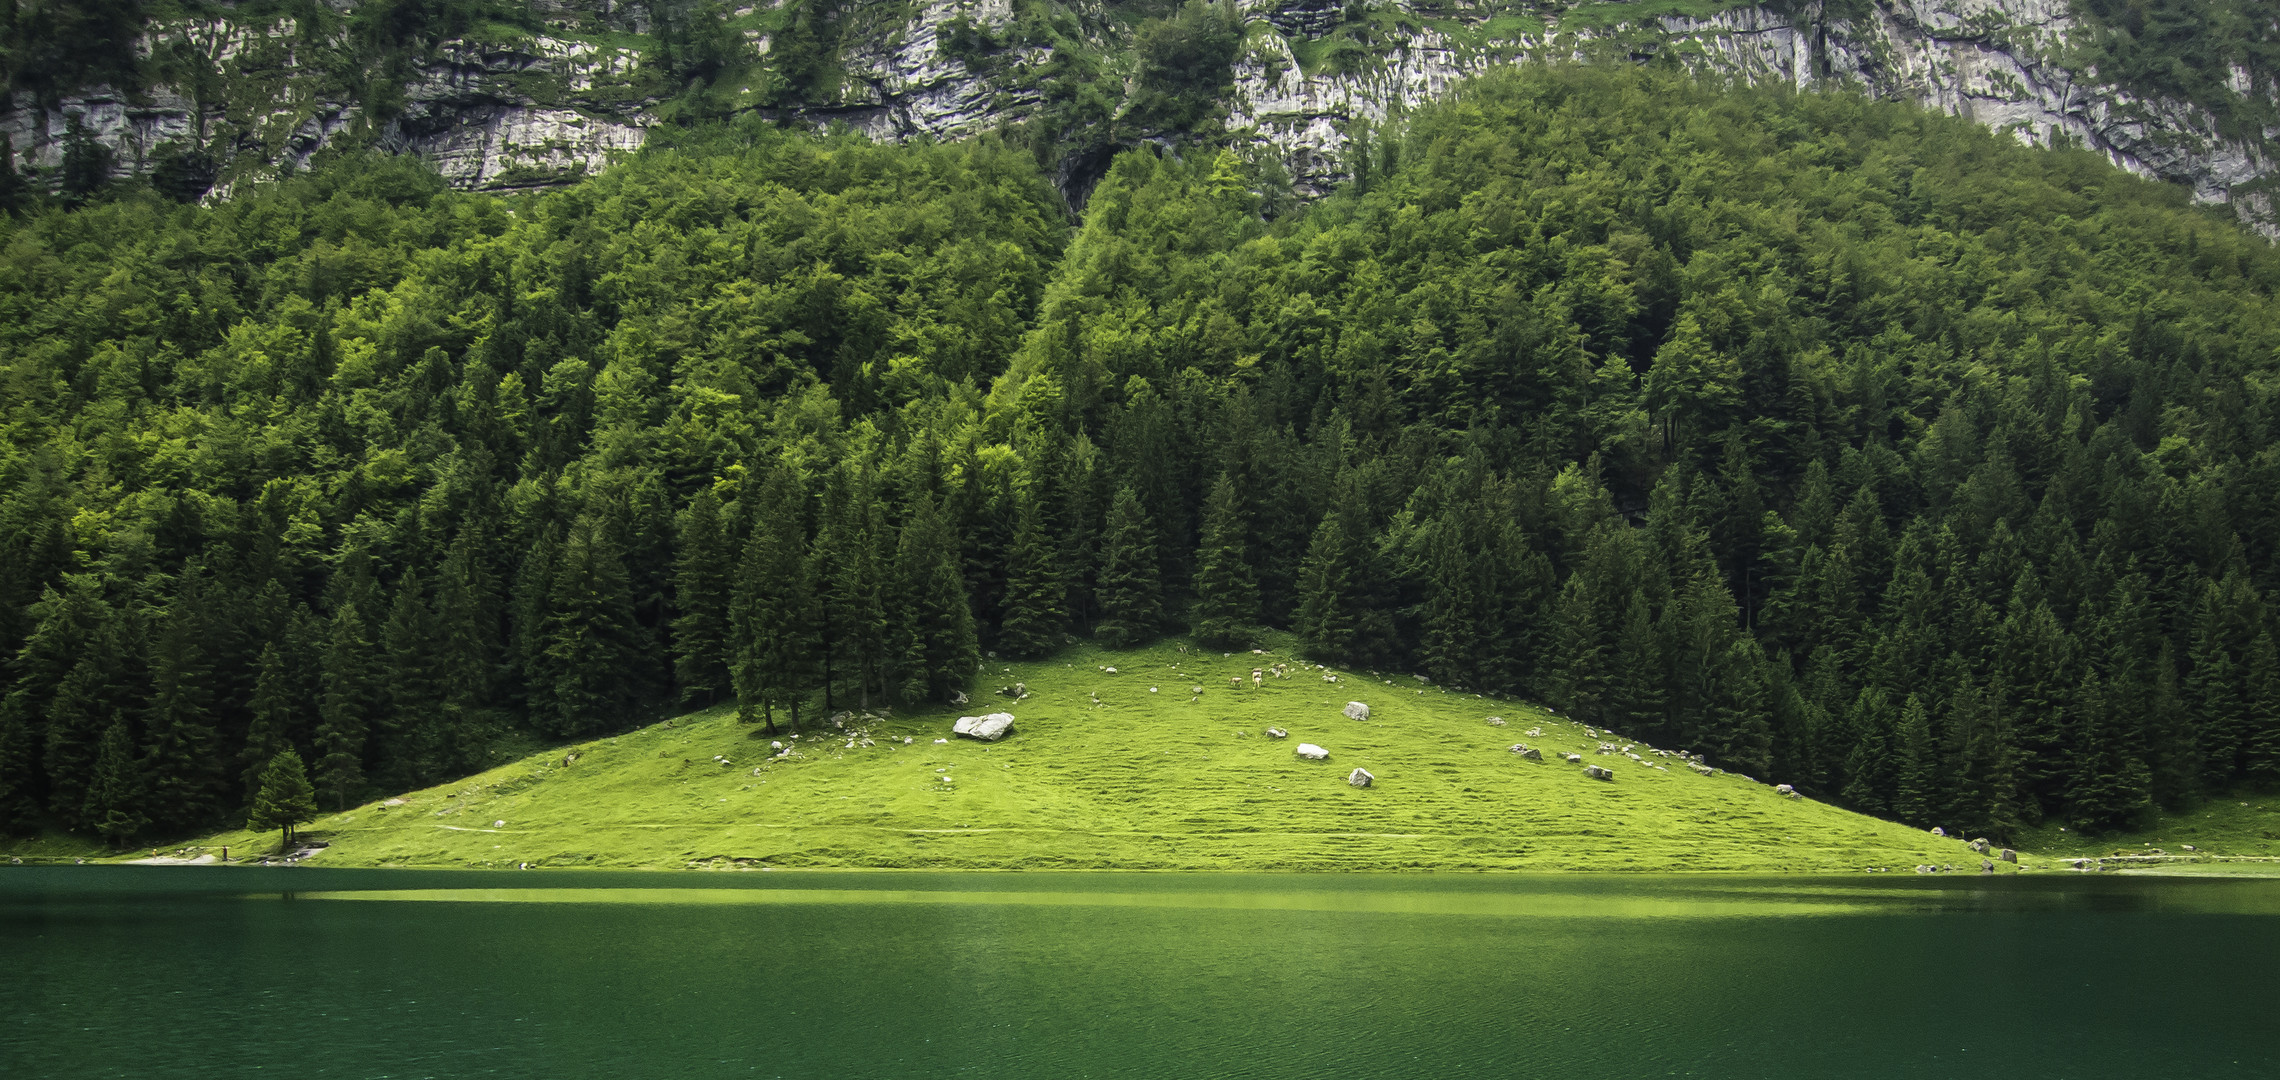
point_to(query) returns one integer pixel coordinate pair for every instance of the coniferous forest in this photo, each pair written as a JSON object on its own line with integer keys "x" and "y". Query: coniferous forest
{"x": 1856, "y": 447}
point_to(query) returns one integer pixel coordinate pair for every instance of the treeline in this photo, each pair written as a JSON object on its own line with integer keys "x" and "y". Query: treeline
{"x": 1858, "y": 448}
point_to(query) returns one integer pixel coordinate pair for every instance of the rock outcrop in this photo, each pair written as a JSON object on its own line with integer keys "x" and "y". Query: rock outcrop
{"x": 561, "y": 101}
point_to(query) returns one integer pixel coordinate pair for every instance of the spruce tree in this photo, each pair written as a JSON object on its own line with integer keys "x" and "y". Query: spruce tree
{"x": 1868, "y": 765}
{"x": 595, "y": 655}
{"x": 284, "y": 798}
{"x": 183, "y": 766}
{"x": 770, "y": 612}
{"x": 703, "y": 576}
{"x": 1034, "y": 614}
{"x": 1915, "y": 792}
{"x": 1327, "y": 616}
{"x": 116, "y": 795}
{"x": 1227, "y": 596}
{"x": 2108, "y": 786}
{"x": 345, "y": 708}
{"x": 275, "y": 715}
{"x": 410, "y": 737}
{"x": 1131, "y": 599}
{"x": 1635, "y": 692}
{"x": 939, "y": 652}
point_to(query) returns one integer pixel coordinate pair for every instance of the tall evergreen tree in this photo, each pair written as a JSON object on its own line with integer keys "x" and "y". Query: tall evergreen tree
{"x": 116, "y": 796}
{"x": 939, "y": 652}
{"x": 2108, "y": 786}
{"x": 703, "y": 576}
{"x": 284, "y": 799}
{"x": 595, "y": 655}
{"x": 1131, "y": 598}
{"x": 1034, "y": 612}
{"x": 274, "y": 710}
{"x": 1227, "y": 595}
{"x": 184, "y": 765}
{"x": 345, "y": 709}
{"x": 411, "y": 737}
{"x": 770, "y": 614}
{"x": 1328, "y": 591}
{"x": 1916, "y": 795}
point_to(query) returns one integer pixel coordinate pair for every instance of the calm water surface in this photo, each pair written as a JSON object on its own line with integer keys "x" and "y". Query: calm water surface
{"x": 228, "y": 972}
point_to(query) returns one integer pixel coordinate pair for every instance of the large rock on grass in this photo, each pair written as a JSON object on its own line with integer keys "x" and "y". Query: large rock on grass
{"x": 1361, "y": 778}
{"x": 988, "y": 728}
{"x": 1355, "y": 710}
{"x": 1311, "y": 752}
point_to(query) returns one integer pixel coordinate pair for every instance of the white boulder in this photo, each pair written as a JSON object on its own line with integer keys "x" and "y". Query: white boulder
{"x": 1311, "y": 752}
{"x": 1355, "y": 710}
{"x": 1360, "y": 778}
{"x": 988, "y": 728}
{"x": 1277, "y": 733}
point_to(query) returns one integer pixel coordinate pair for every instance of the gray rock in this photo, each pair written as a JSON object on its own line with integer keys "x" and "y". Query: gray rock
{"x": 1785, "y": 791}
{"x": 2008, "y": 855}
{"x": 1573, "y": 759}
{"x": 1277, "y": 733}
{"x": 1986, "y": 867}
{"x": 1597, "y": 773}
{"x": 1527, "y": 751}
{"x": 1311, "y": 752}
{"x": 988, "y": 728}
{"x": 1980, "y": 845}
{"x": 1360, "y": 778}
{"x": 1936, "y": 830}
{"x": 1355, "y": 710}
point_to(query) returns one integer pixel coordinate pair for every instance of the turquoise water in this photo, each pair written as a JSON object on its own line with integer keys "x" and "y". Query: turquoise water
{"x": 229, "y": 972}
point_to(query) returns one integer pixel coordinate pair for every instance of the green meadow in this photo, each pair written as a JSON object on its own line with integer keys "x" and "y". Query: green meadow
{"x": 1155, "y": 758}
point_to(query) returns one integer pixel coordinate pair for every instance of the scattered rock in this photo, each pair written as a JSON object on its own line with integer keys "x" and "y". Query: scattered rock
{"x": 1496, "y": 721}
{"x": 1355, "y": 710}
{"x": 1311, "y": 752}
{"x": 1360, "y": 778}
{"x": 1573, "y": 759}
{"x": 1980, "y": 845}
{"x": 958, "y": 697}
{"x": 1277, "y": 733}
{"x": 1986, "y": 867}
{"x": 2008, "y": 855}
{"x": 1936, "y": 830}
{"x": 1784, "y": 790}
{"x": 2190, "y": 847}
{"x": 393, "y": 802}
{"x": 1527, "y": 751}
{"x": 939, "y": 742}
{"x": 1597, "y": 773}
{"x": 988, "y": 728}
{"x": 498, "y": 824}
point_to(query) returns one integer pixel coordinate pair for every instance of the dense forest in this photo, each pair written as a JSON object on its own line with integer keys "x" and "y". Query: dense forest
{"x": 1854, "y": 446}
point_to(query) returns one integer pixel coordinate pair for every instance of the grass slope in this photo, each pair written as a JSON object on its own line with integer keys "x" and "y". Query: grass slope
{"x": 1167, "y": 779}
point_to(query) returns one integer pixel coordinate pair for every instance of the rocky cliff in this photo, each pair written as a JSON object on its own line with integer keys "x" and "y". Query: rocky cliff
{"x": 505, "y": 105}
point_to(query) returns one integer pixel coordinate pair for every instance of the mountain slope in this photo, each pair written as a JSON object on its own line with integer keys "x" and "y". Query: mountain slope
{"x": 1159, "y": 778}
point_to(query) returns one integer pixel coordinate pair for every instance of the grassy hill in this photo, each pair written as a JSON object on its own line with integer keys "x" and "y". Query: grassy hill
{"x": 1130, "y": 768}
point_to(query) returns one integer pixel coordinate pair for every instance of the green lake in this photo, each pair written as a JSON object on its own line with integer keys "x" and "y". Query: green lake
{"x": 304, "y": 972}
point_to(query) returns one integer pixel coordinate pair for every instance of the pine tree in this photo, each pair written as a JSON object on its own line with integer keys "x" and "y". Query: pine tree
{"x": 703, "y": 575}
{"x": 2260, "y": 757}
{"x": 115, "y": 797}
{"x": 1131, "y": 601}
{"x": 939, "y": 652}
{"x": 1868, "y": 766}
{"x": 284, "y": 798}
{"x": 769, "y": 622}
{"x": 183, "y": 767}
{"x": 1327, "y": 615}
{"x": 410, "y": 737}
{"x": 1034, "y": 614}
{"x": 1635, "y": 692}
{"x": 595, "y": 658}
{"x": 1227, "y": 595}
{"x": 2108, "y": 786}
{"x": 344, "y": 711}
{"x": 275, "y": 711}
{"x": 1915, "y": 790}
{"x": 89, "y": 697}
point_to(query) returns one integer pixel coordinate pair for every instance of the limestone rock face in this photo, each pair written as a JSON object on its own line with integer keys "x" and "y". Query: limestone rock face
{"x": 574, "y": 91}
